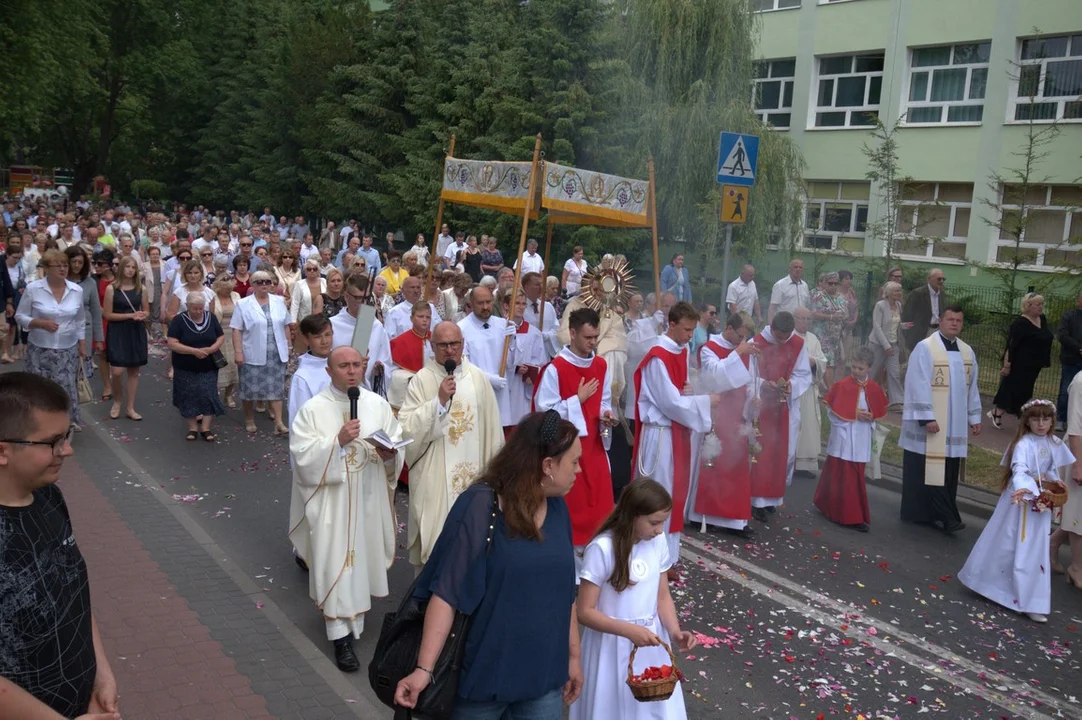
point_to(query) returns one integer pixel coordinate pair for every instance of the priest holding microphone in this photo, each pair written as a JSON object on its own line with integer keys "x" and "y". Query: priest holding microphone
{"x": 347, "y": 532}
{"x": 451, "y": 413}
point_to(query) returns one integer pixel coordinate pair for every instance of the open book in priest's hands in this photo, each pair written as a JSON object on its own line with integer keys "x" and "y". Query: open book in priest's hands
{"x": 380, "y": 439}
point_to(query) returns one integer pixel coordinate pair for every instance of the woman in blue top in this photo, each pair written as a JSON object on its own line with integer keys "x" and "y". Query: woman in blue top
{"x": 522, "y": 652}
{"x": 676, "y": 280}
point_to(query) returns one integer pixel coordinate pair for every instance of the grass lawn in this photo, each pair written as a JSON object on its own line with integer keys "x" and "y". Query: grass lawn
{"x": 981, "y": 470}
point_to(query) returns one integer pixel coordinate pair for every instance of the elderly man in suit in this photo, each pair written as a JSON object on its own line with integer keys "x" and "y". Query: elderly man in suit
{"x": 922, "y": 308}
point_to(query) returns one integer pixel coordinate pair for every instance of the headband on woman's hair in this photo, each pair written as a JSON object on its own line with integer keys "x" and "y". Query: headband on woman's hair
{"x": 550, "y": 427}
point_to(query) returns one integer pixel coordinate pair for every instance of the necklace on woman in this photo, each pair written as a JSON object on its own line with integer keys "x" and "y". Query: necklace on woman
{"x": 193, "y": 326}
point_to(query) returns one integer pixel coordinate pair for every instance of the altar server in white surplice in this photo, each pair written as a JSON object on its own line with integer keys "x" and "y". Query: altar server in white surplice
{"x": 533, "y": 284}
{"x": 345, "y": 322}
{"x": 484, "y": 335}
{"x": 530, "y": 357}
{"x": 455, "y": 426}
{"x": 349, "y": 488}
{"x": 942, "y": 404}
{"x": 1009, "y": 564}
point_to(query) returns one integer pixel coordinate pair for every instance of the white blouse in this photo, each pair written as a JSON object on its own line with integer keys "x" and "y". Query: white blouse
{"x": 39, "y": 303}
{"x": 248, "y": 317}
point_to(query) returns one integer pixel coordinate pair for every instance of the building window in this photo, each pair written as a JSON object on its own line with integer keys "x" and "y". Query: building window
{"x": 768, "y": 5}
{"x": 947, "y": 83}
{"x": 774, "y": 91}
{"x": 849, "y": 89}
{"x": 1049, "y": 82}
{"x": 835, "y": 215}
{"x": 933, "y": 220}
{"x": 1051, "y": 230}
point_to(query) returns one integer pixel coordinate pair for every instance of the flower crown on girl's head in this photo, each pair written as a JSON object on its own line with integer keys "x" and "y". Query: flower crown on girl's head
{"x": 1038, "y": 401}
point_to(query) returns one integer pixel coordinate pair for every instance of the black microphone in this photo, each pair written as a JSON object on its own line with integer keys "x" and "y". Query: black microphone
{"x": 449, "y": 365}
{"x": 353, "y": 394}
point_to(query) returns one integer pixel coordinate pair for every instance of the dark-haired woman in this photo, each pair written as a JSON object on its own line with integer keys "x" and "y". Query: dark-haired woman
{"x": 522, "y": 651}
{"x": 102, "y": 265}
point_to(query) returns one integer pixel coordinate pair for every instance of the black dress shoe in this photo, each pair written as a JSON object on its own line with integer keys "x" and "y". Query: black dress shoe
{"x": 759, "y": 514}
{"x": 344, "y": 657}
{"x": 745, "y": 532}
{"x": 862, "y": 527}
{"x": 300, "y": 562}
{"x": 771, "y": 509}
{"x": 953, "y": 527}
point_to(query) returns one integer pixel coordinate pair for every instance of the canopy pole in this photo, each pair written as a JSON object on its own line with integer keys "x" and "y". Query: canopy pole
{"x": 535, "y": 187}
{"x": 544, "y": 280}
{"x": 439, "y": 223}
{"x": 653, "y": 230}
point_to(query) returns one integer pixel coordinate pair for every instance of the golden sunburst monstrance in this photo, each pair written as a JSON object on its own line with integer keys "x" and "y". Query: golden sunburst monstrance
{"x": 605, "y": 288}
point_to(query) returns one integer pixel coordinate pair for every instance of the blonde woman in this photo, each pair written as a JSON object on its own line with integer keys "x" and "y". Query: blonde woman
{"x": 261, "y": 328}
{"x": 1029, "y": 350}
{"x": 334, "y": 298}
{"x": 192, "y": 274}
{"x": 126, "y": 309}
{"x": 225, "y": 303}
{"x": 384, "y": 302}
{"x": 307, "y": 297}
{"x": 886, "y": 340}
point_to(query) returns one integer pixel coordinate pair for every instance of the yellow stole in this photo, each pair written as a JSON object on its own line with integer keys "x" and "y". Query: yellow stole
{"x": 935, "y": 452}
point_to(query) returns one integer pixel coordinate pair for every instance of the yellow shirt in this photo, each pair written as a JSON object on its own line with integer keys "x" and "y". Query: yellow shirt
{"x": 394, "y": 280}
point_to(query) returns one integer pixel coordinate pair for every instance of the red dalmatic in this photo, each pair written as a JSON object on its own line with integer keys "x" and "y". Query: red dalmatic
{"x": 725, "y": 489}
{"x": 408, "y": 351}
{"x": 590, "y": 499}
{"x": 769, "y": 472}
{"x": 676, "y": 364}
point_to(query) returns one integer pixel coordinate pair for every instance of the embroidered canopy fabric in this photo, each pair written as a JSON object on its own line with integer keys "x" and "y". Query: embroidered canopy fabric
{"x": 574, "y": 196}
{"x": 490, "y": 184}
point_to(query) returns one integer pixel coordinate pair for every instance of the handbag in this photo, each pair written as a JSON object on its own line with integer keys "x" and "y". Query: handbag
{"x": 219, "y": 359}
{"x": 83, "y": 385}
{"x": 399, "y": 644}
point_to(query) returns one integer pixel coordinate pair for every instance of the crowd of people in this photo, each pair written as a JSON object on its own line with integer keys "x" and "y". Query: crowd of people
{"x": 549, "y": 438}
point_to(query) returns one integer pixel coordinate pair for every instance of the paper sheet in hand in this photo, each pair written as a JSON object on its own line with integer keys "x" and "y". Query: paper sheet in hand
{"x": 382, "y": 440}
{"x": 362, "y": 333}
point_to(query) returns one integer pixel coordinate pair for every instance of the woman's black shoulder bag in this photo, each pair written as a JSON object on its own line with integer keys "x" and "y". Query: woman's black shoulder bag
{"x": 399, "y": 644}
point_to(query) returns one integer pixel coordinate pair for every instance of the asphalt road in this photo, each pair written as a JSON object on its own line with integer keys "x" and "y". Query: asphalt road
{"x": 809, "y": 620}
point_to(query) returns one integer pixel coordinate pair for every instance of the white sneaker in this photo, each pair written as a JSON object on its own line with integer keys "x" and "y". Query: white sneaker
{"x": 1035, "y": 617}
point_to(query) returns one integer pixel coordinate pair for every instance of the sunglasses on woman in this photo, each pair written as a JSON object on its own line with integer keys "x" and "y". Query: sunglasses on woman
{"x": 262, "y": 282}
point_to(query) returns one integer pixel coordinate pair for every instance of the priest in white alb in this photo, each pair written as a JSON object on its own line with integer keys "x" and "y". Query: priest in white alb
{"x": 668, "y": 414}
{"x": 485, "y": 335}
{"x": 942, "y": 404}
{"x": 347, "y": 532}
{"x": 454, "y": 422}
{"x": 345, "y": 324}
{"x": 809, "y": 442}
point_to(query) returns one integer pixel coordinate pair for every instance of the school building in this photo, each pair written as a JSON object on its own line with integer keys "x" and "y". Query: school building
{"x": 962, "y": 79}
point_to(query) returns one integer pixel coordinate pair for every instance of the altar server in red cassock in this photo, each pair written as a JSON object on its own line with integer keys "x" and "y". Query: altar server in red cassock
{"x": 668, "y": 413}
{"x": 781, "y": 373}
{"x": 409, "y": 351}
{"x": 721, "y": 491}
{"x": 578, "y": 385}
{"x": 854, "y": 403}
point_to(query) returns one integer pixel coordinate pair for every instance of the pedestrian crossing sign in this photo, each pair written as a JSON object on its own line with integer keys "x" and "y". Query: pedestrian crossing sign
{"x": 737, "y": 156}
{"x": 734, "y": 203}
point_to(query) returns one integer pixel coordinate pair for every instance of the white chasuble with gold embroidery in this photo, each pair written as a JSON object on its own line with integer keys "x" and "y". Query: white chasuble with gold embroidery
{"x": 347, "y": 532}
{"x": 450, "y": 446}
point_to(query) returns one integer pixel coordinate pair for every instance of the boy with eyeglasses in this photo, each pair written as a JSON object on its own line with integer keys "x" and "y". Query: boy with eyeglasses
{"x": 51, "y": 656}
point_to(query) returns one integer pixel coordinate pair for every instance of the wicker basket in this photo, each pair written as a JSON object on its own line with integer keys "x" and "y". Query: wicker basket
{"x": 1054, "y": 493}
{"x": 653, "y": 690}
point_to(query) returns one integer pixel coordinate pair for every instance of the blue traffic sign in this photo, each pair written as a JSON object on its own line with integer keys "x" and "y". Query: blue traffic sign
{"x": 737, "y": 155}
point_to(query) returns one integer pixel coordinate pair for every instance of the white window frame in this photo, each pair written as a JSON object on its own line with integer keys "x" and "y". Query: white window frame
{"x": 787, "y": 81}
{"x": 814, "y": 108}
{"x": 1015, "y": 100}
{"x": 944, "y": 105}
{"x": 1068, "y": 211}
{"x": 834, "y": 2}
{"x": 820, "y": 231}
{"x": 914, "y": 207}
{"x": 775, "y": 7}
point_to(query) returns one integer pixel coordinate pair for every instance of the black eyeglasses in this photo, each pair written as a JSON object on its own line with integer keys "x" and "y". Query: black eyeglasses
{"x": 262, "y": 282}
{"x": 57, "y": 445}
{"x": 246, "y": 244}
